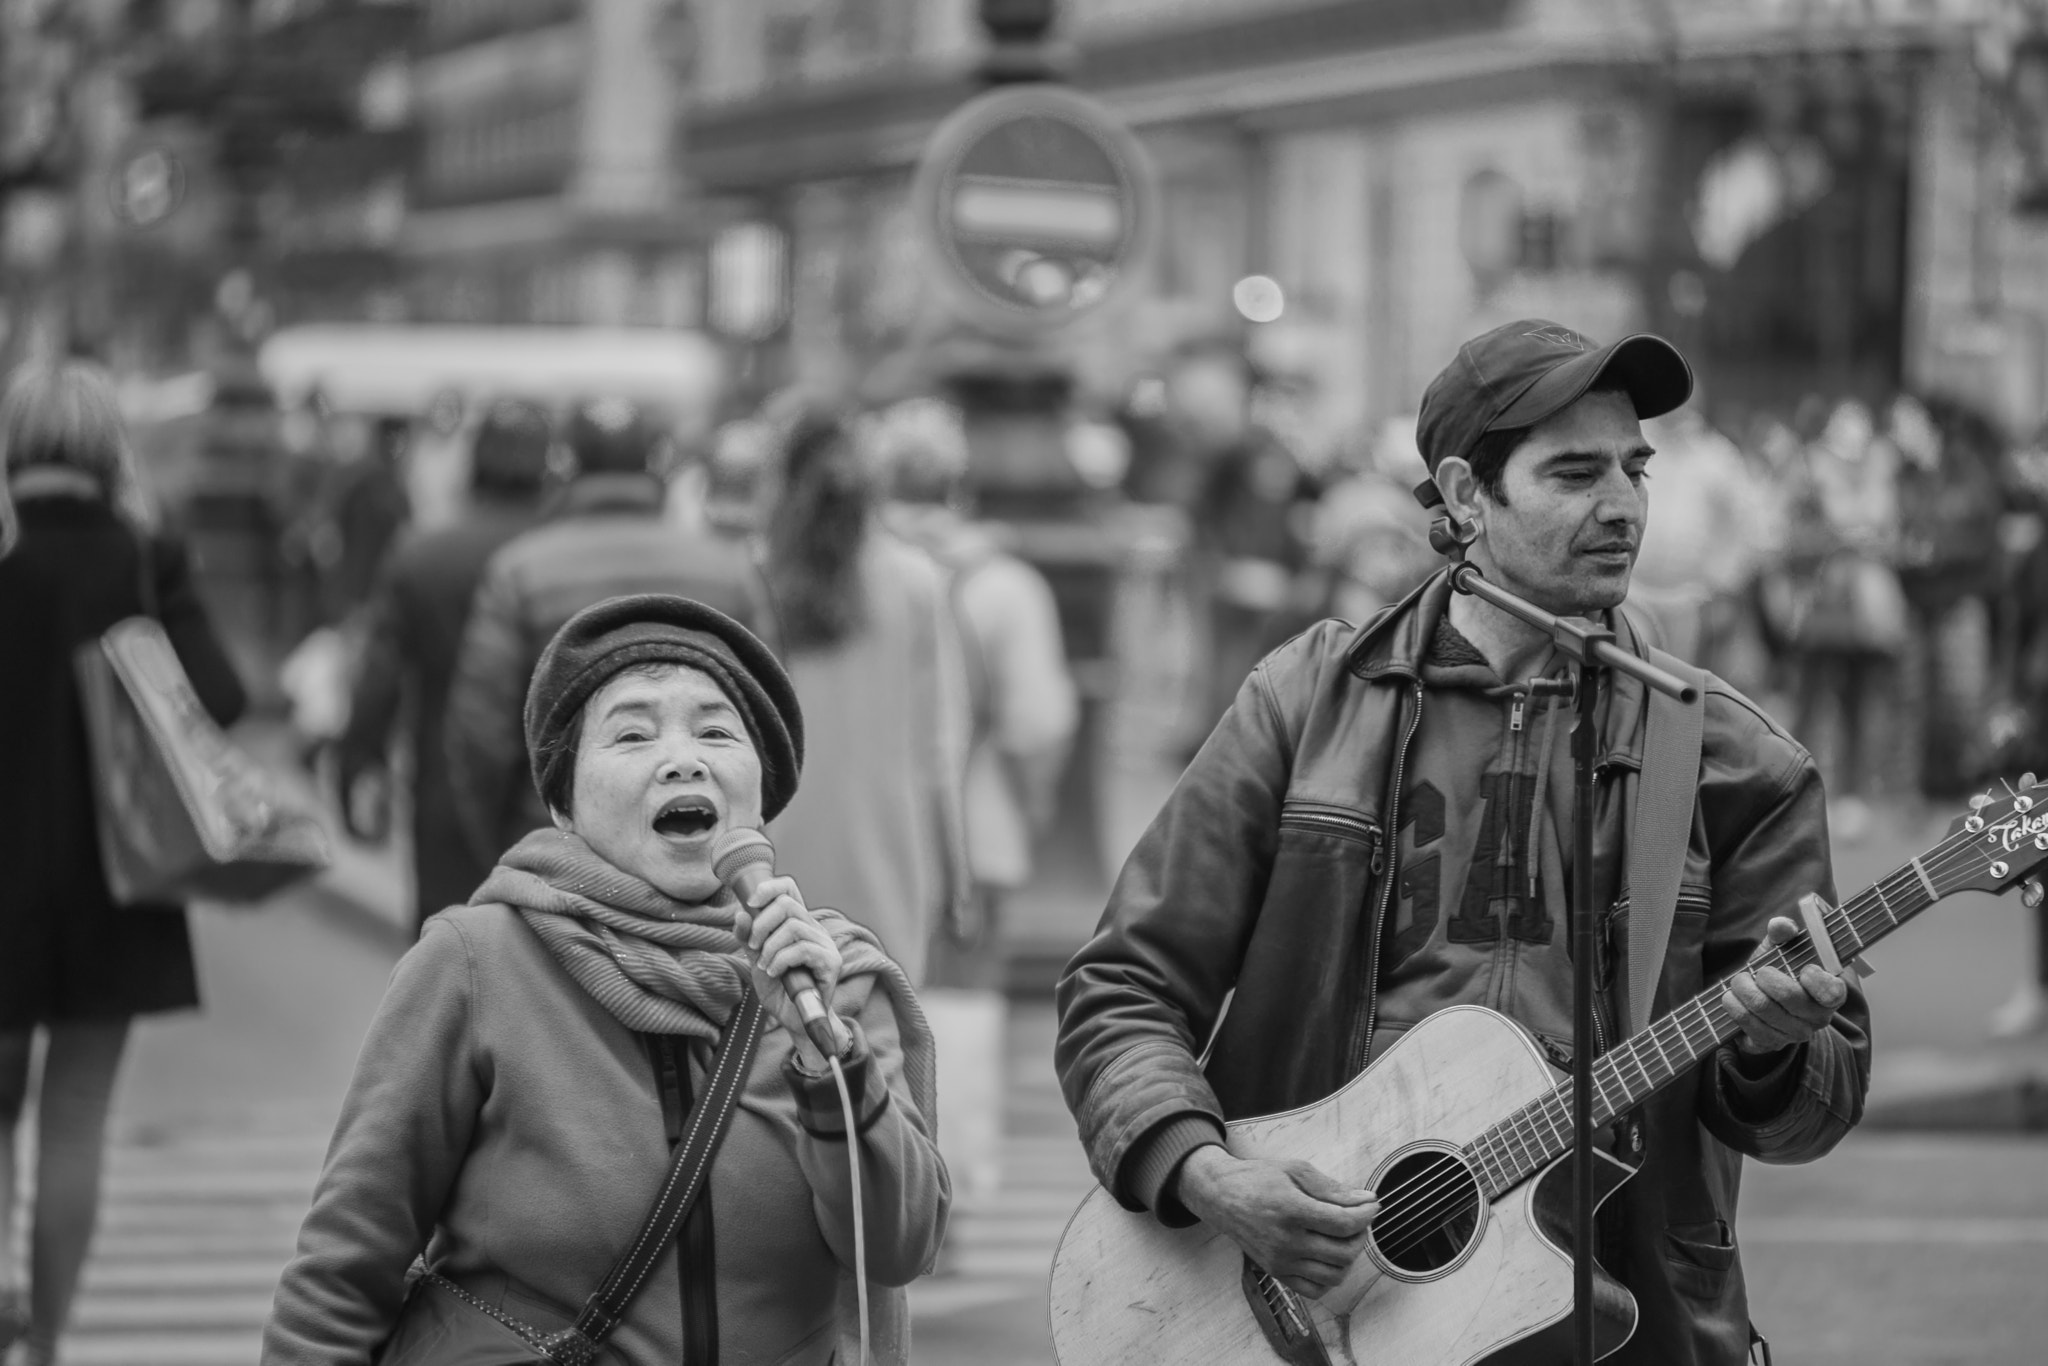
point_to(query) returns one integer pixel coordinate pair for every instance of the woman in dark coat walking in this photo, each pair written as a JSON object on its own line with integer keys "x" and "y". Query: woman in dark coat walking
{"x": 72, "y": 963}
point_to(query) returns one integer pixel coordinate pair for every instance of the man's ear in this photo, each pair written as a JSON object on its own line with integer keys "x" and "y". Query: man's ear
{"x": 1460, "y": 487}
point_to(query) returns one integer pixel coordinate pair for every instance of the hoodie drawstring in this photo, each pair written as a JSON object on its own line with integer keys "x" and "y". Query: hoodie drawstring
{"x": 1539, "y": 804}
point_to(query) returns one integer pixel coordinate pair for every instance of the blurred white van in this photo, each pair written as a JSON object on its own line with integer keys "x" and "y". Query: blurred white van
{"x": 445, "y": 376}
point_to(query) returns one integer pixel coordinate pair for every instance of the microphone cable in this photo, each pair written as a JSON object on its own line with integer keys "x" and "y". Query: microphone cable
{"x": 860, "y": 1236}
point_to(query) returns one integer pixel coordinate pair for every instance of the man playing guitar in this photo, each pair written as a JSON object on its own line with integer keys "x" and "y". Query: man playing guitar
{"x": 1380, "y": 828}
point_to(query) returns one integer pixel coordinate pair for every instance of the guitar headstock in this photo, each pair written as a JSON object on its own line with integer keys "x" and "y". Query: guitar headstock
{"x": 2009, "y": 840}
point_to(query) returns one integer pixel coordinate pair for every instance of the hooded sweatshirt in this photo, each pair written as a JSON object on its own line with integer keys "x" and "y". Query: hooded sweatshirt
{"x": 1481, "y": 916}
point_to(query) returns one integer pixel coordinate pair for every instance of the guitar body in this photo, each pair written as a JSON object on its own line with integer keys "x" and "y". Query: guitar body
{"x": 1127, "y": 1290}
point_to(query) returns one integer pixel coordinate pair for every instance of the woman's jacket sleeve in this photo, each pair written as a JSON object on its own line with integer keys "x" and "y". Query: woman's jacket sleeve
{"x": 405, "y": 1125}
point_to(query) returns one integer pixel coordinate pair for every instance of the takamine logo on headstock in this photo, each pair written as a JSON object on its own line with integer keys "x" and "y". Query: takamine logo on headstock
{"x": 2016, "y": 827}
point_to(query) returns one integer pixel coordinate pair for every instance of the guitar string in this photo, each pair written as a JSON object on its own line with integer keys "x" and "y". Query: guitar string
{"x": 1427, "y": 1212}
{"x": 1418, "y": 1223}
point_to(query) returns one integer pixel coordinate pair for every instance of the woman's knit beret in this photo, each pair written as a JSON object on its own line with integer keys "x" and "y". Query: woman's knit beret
{"x": 598, "y": 642}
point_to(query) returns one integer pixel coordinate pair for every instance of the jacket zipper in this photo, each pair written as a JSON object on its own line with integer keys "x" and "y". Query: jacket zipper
{"x": 1361, "y": 1044}
{"x": 1329, "y": 820}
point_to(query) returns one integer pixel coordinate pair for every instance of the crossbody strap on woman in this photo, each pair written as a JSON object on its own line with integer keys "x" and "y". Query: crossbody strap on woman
{"x": 577, "y": 1345}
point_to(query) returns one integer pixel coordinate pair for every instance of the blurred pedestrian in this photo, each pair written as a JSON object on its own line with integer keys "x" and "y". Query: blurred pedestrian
{"x": 414, "y": 628}
{"x": 870, "y": 641}
{"x": 737, "y": 478}
{"x": 1022, "y": 704}
{"x": 1249, "y": 516}
{"x": 1718, "y": 525}
{"x": 542, "y": 1053}
{"x": 1022, "y": 713}
{"x": 1950, "y": 506}
{"x": 1369, "y": 534}
{"x": 1850, "y": 622}
{"x": 73, "y": 964}
{"x": 368, "y": 506}
{"x": 607, "y": 535}
{"x": 2020, "y": 724}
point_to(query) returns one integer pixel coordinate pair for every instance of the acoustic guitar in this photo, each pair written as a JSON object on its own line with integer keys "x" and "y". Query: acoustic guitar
{"x": 1464, "y": 1131}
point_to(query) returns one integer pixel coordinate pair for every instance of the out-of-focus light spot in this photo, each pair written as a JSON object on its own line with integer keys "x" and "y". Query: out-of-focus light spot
{"x": 749, "y": 280}
{"x": 1259, "y": 298}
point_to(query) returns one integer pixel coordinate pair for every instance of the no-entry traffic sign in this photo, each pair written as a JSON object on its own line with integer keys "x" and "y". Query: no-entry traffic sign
{"x": 1038, "y": 205}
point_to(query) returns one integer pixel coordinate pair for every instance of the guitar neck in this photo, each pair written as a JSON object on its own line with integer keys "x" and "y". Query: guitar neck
{"x": 1541, "y": 1132}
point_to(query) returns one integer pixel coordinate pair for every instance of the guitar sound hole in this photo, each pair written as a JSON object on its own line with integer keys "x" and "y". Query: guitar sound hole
{"x": 1429, "y": 1210}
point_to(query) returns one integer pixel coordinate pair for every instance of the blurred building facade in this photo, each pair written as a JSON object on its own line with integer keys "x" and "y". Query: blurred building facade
{"x": 1812, "y": 197}
{"x": 547, "y": 187}
{"x": 332, "y": 215}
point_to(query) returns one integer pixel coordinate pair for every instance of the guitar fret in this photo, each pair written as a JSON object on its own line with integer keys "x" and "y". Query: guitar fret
{"x": 1848, "y": 943}
{"x": 1685, "y": 1044}
{"x": 1710, "y": 1035}
{"x": 1634, "y": 1053}
{"x": 1496, "y": 1162}
{"x": 1884, "y": 903}
{"x": 1515, "y": 1141}
{"x": 1925, "y": 881}
{"x": 1558, "y": 1117}
{"x": 1528, "y": 1135}
{"x": 1557, "y": 1135}
{"x": 1603, "y": 1072}
{"x": 1478, "y": 1153}
{"x": 1525, "y": 1136}
{"x": 1659, "y": 1045}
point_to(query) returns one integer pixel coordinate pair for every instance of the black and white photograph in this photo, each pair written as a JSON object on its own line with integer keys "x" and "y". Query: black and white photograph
{"x": 1023, "y": 682}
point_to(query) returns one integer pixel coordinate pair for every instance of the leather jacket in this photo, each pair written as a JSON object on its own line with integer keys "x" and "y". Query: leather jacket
{"x": 1266, "y": 881}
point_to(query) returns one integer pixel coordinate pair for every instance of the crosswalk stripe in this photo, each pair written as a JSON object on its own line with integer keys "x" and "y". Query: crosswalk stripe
{"x": 160, "y": 1347}
{"x": 1001, "y": 1251}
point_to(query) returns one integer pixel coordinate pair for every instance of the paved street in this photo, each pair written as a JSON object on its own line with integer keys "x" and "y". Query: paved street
{"x": 1901, "y": 1248}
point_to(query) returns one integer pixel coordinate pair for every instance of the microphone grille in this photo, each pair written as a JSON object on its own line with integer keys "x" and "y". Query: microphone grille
{"x": 736, "y": 849}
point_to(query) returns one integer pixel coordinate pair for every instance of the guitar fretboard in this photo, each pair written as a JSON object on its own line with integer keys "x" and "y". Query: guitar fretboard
{"x": 1540, "y": 1132}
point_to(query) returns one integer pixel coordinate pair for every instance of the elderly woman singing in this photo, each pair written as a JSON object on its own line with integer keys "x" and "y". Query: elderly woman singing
{"x": 546, "y": 1052}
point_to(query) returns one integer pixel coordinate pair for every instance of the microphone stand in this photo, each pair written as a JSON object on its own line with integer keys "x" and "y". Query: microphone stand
{"x": 1593, "y": 651}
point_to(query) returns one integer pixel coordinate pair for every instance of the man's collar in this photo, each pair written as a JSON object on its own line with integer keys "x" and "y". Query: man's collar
{"x": 1396, "y": 641}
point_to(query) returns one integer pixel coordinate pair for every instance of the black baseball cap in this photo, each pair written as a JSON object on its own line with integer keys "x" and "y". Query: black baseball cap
{"x": 1523, "y": 372}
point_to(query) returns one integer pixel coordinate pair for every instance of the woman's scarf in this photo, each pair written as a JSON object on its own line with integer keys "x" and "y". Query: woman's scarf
{"x": 663, "y": 966}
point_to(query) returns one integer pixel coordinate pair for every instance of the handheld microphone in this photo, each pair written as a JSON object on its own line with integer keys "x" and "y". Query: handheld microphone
{"x": 743, "y": 860}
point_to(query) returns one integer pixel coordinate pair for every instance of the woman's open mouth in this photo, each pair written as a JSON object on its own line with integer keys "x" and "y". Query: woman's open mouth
{"x": 686, "y": 818}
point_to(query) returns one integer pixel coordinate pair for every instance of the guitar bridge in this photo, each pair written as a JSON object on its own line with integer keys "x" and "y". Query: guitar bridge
{"x": 1283, "y": 1317}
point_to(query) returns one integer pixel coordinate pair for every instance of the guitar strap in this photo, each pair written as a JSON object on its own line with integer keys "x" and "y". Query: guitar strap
{"x": 1661, "y": 829}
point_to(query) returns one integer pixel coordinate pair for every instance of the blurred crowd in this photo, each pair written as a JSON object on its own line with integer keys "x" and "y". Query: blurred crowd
{"x": 1874, "y": 576}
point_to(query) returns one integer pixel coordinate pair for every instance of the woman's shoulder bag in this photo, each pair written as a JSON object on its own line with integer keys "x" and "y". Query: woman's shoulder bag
{"x": 445, "y": 1325}
{"x": 182, "y": 812}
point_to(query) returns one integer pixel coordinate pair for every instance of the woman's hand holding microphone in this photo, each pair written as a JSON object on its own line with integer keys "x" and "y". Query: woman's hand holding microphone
{"x": 780, "y": 933}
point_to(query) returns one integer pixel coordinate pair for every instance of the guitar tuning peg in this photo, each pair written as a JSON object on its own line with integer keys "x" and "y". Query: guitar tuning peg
{"x": 2026, "y": 781}
{"x": 1980, "y": 801}
{"x": 2032, "y": 893}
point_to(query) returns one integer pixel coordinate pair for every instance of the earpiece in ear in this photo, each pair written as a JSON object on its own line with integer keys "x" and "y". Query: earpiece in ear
{"x": 1449, "y": 535}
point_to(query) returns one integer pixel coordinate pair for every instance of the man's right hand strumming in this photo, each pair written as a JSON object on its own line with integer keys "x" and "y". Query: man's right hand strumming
{"x": 1302, "y": 1226}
